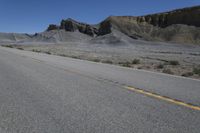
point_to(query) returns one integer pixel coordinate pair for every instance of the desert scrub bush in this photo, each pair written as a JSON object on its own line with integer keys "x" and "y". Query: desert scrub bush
{"x": 173, "y": 62}
{"x": 136, "y": 61}
{"x": 47, "y": 52}
{"x": 8, "y": 46}
{"x": 187, "y": 74}
{"x": 75, "y": 57}
{"x": 96, "y": 60}
{"x": 196, "y": 71}
{"x": 63, "y": 55}
{"x": 20, "y": 48}
{"x": 35, "y": 50}
{"x": 168, "y": 71}
{"x": 125, "y": 64}
{"x": 107, "y": 61}
{"x": 160, "y": 66}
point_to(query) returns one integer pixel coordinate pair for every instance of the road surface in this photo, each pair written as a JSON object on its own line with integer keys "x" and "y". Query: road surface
{"x": 42, "y": 93}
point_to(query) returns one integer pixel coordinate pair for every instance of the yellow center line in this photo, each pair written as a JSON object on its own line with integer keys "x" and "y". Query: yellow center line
{"x": 150, "y": 94}
{"x": 177, "y": 102}
{"x": 147, "y": 93}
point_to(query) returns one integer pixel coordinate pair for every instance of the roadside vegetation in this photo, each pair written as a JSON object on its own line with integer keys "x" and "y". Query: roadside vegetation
{"x": 136, "y": 61}
{"x": 20, "y": 48}
{"x": 196, "y": 71}
{"x": 95, "y": 60}
{"x": 187, "y": 74}
{"x": 130, "y": 63}
{"x": 35, "y": 50}
{"x": 47, "y": 52}
{"x": 107, "y": 61}
{"x": 13, "y": 46}
{"x": 160, "y": 66}
{"x": 125, "y": 64}
{"x": 8, "y": 46}
{"x": 173, "y": 63}
{"x": 167, "y": 71}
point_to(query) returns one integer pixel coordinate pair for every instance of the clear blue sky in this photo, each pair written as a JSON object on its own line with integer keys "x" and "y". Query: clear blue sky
{"x": 35, "y": 15}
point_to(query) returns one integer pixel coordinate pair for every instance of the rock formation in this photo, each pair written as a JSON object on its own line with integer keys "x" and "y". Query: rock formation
{"x": 182, "y": 26}
{"x": 72, "y": 25}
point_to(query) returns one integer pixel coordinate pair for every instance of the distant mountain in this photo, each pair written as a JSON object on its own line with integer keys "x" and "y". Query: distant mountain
{"x": 180, "y": 26}
{"x": 13, "y": 37}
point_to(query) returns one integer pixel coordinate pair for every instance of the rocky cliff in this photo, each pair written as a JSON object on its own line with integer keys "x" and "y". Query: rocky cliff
{"x": 187, "y": 16}
{"x": 182, "y": 26}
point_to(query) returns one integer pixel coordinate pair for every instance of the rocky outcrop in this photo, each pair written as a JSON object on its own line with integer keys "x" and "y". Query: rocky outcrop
{"x": 52, "y": 27}
{"x": 72, "y": 25}
{"x": 105, "y": 27}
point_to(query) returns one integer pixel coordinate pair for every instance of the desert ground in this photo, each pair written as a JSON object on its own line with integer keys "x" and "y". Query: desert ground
{"x": 170, "y": 58}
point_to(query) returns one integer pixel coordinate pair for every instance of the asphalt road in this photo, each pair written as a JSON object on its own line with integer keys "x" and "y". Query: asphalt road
{"x": 42, "y": 93}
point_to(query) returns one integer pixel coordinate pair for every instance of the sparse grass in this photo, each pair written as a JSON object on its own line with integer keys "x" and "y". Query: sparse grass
{"x": 174, "y": 63}
{"x": 168, "y": 71}
{"x": 160, "y": 66}
{"x": 196, "y": 71}
{"x": 107, "y": 61}
{"x": 187, "y": 74}
{"x": 136, "y": 61}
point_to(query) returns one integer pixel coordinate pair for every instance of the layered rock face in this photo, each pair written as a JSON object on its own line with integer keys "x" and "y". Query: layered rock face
{"x": 187, "y": 16}
{"x": 182, "y": 26}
